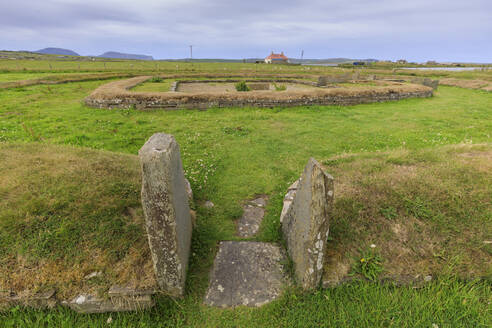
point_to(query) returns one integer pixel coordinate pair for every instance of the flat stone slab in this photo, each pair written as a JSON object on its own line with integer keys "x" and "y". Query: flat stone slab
{"x": 41, "y": 300}
{"x": 249, "y": 224}
{"x": 260, "y": 201}
{"x": 253, "y": 213}
{"x": 119, "y": 301}
{"x": 246, "y": 273}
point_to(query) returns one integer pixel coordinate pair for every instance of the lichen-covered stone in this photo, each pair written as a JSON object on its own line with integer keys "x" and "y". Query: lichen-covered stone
{"x": 122, "y": 291}
{"x": 86, "y": 303}
{"x": 289, "y": 197}
{"x": 167, "y": 211}
{"x": 305, "y": 224}
{"x": 189, "y": 192}
{"x": 40, "y": 300}
{"x": 260, "y": 201}
{"x": 246, "y": 273}
{"x": 253, "y": 213}
{"x": 249, "y": 223}
{"x": 426, "y": 81}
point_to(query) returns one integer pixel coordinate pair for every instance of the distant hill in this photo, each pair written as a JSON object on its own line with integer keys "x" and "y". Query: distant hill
{"x": 57, "y": 51}
{"x": 211, "y": 60}
{"x": 119, "y": 55}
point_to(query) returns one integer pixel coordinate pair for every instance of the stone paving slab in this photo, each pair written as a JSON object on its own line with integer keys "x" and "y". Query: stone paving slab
{"x": 253, "y": 213}
{"x": 249, "y": 223}
{"x": 246, "y": 273}
{"x": 260, "y": 201}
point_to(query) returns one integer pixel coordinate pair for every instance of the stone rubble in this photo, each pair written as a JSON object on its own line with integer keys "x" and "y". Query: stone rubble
{"x": 209, "y": 204}
{"x": 120, "y": 299}
{"x": 93, "y": 275}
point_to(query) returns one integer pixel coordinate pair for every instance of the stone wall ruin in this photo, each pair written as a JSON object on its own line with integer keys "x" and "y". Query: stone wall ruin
{"x": 117, "y": 95}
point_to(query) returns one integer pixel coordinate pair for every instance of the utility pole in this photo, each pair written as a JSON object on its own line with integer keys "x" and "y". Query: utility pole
{"x": 302, "y": 55}
{"x": 191, "y": 53}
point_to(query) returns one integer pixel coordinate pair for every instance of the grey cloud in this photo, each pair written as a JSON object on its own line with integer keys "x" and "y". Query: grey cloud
{"x": 47, "y": 14}
{"x": 243, "y": 28}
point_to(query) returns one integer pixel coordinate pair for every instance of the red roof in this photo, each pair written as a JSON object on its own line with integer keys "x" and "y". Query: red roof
{"x": 277, "y": 56}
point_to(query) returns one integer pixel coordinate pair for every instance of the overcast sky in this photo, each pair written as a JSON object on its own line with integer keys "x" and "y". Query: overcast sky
{"x": 417, "y": 30}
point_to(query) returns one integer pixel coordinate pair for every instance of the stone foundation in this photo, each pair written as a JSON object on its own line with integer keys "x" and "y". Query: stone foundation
{"x": 148, "y": 101}
{"x": 117, "y": 94}
{"x": 193, "y": 102}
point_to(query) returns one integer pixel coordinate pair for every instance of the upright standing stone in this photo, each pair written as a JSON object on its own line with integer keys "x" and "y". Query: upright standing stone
{"x": 167, "y": 212}
{"x": 325, "y": 79}
{"x": 305, "y": 224}
{"x": 426, "y": 81}
{"x": 322, "y": 81}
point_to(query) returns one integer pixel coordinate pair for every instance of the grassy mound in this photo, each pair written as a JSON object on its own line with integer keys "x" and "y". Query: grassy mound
{"x": 62, "y": 78}
{"x": 424, "y": 212}
{"x": 467, "y": 84}
{"x": 67, "y": 212}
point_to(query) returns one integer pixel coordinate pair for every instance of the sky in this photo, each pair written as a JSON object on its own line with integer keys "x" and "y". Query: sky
{"x": 416, "y": 30}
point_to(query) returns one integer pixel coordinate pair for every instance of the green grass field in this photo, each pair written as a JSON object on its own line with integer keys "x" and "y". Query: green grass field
{"x": 232, "y": 154}
{"x": 446, "y": 303}
{"x": 10, "y": 77}
{"x": 52, "y": 66}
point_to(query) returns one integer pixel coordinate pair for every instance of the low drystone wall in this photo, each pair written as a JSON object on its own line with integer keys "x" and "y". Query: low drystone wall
{"x": 117, "y": 299}
{"x": 250, "y": 81}
{"x": 117, "y": 95}
{"x": 327, "y": 79}
{"x": 467, "y": 84}
{"x": 60, "y": 79}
